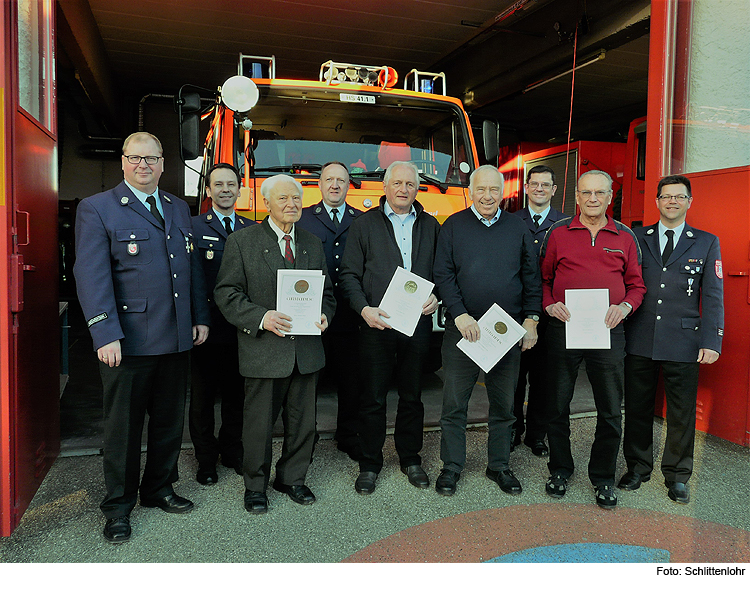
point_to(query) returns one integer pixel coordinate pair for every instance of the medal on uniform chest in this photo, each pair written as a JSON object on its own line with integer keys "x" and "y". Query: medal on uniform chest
{"x": 690, "y": 286}
{"x": 188, "y": 245}
{"x": 132, "y": 248}
{"x": 209, "y": 254}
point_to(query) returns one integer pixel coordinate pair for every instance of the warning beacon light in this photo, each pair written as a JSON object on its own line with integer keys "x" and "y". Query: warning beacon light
{"x": 239, "y": 93}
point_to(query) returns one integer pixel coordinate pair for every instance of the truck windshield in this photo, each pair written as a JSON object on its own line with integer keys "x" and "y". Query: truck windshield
{"x": 300, "y": 129}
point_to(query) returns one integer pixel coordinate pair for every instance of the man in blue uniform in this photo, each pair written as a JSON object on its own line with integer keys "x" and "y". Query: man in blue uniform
{"x": 679, "y": 326}
{"x": 215, "y": 366}
{"x": 329, "y": 220}
{"x": 539, "y": 216}
{"x": 143, "y": 297}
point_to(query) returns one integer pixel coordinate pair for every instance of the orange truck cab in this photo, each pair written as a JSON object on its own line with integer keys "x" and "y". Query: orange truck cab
{"x": 353, "y": 114}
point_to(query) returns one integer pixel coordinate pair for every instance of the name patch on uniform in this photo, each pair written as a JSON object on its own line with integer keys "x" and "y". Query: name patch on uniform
{"x": 718, "y": 269}
{"x": 211, "y": 238}
{"x": 95, "y": 319}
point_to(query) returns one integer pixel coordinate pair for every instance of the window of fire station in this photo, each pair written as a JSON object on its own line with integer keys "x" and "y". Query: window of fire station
{"x": 710, "y": 127}
{"x": 36, "y": 60}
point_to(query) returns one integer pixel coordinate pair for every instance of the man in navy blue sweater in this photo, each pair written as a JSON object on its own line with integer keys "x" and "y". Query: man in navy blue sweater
{"x": 484, "y": 256}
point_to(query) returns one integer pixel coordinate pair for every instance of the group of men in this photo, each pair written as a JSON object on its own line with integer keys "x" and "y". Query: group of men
{"x": 151, "y": 281}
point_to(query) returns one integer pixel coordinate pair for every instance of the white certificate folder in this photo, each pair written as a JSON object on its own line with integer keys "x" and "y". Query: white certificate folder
{"x": 299, "y": 294}
{"x": 403, "y": 300}
{"x": 586, "y": 328}
{"x": 498, "y": 334}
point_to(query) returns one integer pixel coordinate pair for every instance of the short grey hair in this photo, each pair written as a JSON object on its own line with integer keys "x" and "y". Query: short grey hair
{"x": 269, "y": 184}
{"x": 141, "y": 135}
{"x": 392, "y": 165}
{"x": 485, "y": 167}
{"x": 600, "y": 173}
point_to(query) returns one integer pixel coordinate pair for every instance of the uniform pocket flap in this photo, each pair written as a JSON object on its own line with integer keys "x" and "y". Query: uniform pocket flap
{"x": 131, "y": 305}
{"x": 691, "y": 323}
{"x": 129, "y": 235}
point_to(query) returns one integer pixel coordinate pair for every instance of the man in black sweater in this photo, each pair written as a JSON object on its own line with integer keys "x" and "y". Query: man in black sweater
{"x": 484, "y": 256}
{"x": 399, "y": 233}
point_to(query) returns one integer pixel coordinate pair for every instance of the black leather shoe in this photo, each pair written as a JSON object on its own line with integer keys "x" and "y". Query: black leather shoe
{"x": 506, "y": 480}
{"x": 632, "y": 480}
{"x": 299, "y": 493}
{"x": 417, "y": 476}
{"x": 446, "y": 483}
{"x": 365, "y": 483}
{"x": 256, "y": 502}
{"x": 117, "y": 530}
{"x": 556, "y": 486}
{"x": 207, "y": 476}
{"x": 538, "y": 447}
{"x": 678, "y": 492}
{"x": 171, "y": 504}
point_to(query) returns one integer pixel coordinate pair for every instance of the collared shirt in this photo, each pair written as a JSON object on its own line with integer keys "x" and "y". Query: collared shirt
{"x": 339, "y": 209}
{"x": 403, "y": 225}
{"x": 663, "y": 237}
{"x": 280, "y": 236}
{"x": 483, "y": 219}
{"x": 142, "y": 198}
{"x": 221, "y": 217}
{"x": 544, "y": 214}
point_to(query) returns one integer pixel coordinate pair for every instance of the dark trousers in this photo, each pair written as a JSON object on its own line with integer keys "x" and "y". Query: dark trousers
{"x": 534, "y": 365}
{"x": 156, "y": 385}
{"x": 681, "y": 389}
{"x": 216, "y": 375}
{"x": 460, "y": 376}
{"x": 265, "y": 398}
{"x": 381, "y": 354}
{"x": 342, "y": 368}
{"x": 605, "y": 370}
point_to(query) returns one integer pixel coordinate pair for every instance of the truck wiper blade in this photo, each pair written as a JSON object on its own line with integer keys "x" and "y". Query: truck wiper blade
{"x": 433, "y": 181}
{"x": 290, "y": 168}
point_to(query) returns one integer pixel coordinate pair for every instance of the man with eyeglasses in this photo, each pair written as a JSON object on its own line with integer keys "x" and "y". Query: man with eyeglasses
{"x": 539, "y": 216}
{"x": 678, "y": 327}
{"x": 329, "y": 220}
{"x": 484, "y": 257}
{"x": 215, "y": 365}
{"x": 142, "y": 293}
{"x": 589, "y": 251}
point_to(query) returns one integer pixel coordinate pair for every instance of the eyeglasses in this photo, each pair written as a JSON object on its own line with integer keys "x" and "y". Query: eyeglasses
{"x": 678, "y": 198}
{"x": 150, "y": 160}
{"x": 536, "y": 185}
{"x": 599, "y": 194}
{"x": 494, "y": 191}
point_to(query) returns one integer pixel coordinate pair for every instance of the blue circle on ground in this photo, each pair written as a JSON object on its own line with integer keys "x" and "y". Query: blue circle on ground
{"x": 586, "y": 553}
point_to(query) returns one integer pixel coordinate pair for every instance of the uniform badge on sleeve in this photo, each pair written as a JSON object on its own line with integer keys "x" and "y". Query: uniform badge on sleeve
{"x": 718, "y": 269}
{"x": 132, "y": 248}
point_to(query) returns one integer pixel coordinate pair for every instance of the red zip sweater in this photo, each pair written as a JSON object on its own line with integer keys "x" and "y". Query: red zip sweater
{"x": 572, "y": 259}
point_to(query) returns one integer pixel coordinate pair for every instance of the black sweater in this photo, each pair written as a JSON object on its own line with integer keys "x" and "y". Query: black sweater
{"x": 371, "y": 255}
{"x": 476, "y": 266}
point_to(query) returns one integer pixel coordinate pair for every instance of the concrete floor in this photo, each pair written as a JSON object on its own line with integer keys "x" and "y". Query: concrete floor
{"x": 399, "y": 523}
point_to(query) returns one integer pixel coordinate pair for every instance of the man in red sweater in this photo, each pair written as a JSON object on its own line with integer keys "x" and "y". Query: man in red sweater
{"x": 589, "y": 251}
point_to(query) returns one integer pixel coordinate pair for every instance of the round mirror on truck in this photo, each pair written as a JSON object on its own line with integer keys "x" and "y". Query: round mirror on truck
{"x": 240, "y": 94}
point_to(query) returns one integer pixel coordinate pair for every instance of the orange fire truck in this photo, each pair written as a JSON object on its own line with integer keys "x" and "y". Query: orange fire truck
{"x": 354, "y": 114}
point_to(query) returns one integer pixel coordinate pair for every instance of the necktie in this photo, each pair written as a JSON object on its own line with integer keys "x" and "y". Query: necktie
{"x": 151, "y": 200}
{"x": 288, "y": 254}
{"x": 228, "y": 225}
{"x": 536, "y": 217}
{"x": 334, "y": 213}
{"x": 669, "y": 247}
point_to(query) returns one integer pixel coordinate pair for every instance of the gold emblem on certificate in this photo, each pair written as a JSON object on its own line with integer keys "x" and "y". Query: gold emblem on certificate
{"x": 301, "y": 286}
{"x": 410, "y": 287}
{"x": 501, "y": 328}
